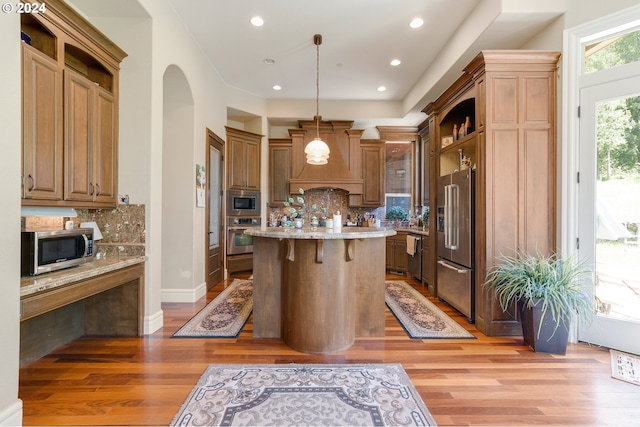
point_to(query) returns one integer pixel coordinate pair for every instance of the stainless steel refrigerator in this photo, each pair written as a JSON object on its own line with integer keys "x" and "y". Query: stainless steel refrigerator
{"x": 455, "y": 216}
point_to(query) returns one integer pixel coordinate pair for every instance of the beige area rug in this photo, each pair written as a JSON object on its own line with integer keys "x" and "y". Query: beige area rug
{"x": 224, "y": 316}
{"x": 625, "y": 367}
{"x": 304, "y": 395}
{"x": 419, "y": 317}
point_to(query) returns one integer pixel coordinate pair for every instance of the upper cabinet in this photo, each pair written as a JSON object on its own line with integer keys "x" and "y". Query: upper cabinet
{"x": 69, "y": 111}
{"x": 510, "y": 100}
{"x": 373, "y": 169}
{"x": 279, "y": 170}
{"x": 244, "y": 160}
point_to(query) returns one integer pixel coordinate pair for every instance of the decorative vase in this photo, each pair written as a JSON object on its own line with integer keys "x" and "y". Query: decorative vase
{"x": 297, "y": 223}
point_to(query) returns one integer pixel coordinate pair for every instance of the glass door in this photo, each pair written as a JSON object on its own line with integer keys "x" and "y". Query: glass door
{"x": 609, "y": 210}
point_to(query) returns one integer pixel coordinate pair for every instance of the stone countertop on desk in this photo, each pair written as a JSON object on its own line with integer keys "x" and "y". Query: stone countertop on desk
{"x": 320, "y": 233}
{"x": 30, "y": 285}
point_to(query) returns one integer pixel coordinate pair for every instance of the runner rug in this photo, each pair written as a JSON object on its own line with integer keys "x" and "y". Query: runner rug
{"x": 419, "y": 317}
{"x": 304, "y": 395}
{"x": 224, "y": 316}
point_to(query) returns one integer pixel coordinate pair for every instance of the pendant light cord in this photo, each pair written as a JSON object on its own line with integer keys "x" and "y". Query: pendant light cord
{"x": 317, "y": 39}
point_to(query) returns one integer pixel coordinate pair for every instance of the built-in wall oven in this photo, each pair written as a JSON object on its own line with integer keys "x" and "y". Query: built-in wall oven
{"x": 239, "y": 243}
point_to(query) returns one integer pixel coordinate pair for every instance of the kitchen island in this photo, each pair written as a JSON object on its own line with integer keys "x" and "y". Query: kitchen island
{"x": 318, "y": 289}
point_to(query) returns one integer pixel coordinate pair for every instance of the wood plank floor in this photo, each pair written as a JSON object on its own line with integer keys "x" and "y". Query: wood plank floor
{"x": 487, "y": 381}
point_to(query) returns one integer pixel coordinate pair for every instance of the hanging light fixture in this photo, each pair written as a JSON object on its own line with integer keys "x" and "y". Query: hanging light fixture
{"x": 317, "y": 151}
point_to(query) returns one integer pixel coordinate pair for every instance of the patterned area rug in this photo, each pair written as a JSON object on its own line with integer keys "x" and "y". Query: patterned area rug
{"x": 224, "y": 316}
{"x": 304, "y": 395}
{"x": 419, "y": 317}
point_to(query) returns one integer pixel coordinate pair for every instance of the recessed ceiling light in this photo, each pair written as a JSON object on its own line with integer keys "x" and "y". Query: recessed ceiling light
{"x": 416, "y": 23}
{"x": 277, "y": 87}
{"x": 381, "y": 88}
{"x": 395, "y": 62}
{"x": 257, "y": 21}
{"x": 269, "y": 61}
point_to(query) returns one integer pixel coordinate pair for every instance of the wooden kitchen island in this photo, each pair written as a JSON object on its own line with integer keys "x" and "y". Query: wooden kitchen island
{"x": 319, "y": 289}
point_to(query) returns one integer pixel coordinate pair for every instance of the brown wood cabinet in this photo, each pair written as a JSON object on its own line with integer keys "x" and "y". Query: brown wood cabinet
{"x": 70, "y": 111}
{"x": 42, "y": 147}
{"x": 510, "y": 97}
{"x": 244, "y": 160}
{"x": 396, "y": 252}
{"x": 373, "y": 168}
{"x": 279, "y": 170}
{"x": 90, "y": 142}
{"x": 427, "y": 267}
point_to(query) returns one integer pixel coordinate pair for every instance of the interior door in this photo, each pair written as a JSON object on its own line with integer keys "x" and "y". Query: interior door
{"x": 215, "y": 235}
{"x": 609, "y": 213}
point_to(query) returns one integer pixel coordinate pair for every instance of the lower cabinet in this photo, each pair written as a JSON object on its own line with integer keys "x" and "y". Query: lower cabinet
{"x": 396, "y": 252}
{"x": 427, "y": 267}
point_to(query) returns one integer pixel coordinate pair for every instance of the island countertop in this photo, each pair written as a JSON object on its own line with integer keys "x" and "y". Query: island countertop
{"x": 320, "y": 233}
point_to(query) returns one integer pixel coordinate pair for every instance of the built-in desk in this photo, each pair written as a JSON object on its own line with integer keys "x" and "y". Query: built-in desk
{"x": 102, "y": 297}
{"x": 318, "y": 289}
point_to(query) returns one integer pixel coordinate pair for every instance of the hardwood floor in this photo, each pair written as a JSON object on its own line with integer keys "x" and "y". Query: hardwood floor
{"x": 487, "y": 381}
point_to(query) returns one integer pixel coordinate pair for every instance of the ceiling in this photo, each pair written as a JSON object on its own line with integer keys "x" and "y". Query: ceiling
{"x": 360, "y": 38}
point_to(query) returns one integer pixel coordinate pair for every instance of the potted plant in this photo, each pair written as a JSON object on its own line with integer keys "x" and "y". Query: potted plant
{"x": 549, "y": 294}
{"x": 397, "y": 214}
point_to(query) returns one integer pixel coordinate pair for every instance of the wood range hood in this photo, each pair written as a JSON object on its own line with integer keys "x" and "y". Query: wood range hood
{"x": 343, "y": 170}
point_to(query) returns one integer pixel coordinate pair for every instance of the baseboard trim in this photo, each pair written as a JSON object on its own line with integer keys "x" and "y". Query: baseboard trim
{"x": 153, "y": 322}
{"x": 183, "y": 295}
{"x": 12, "y": 414}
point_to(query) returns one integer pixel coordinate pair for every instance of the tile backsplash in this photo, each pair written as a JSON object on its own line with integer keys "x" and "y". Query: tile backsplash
{"x": 327, "y": 202}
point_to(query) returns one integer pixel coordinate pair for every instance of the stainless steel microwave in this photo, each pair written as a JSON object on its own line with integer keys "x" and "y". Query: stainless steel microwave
{"x": 45, "y": 251}
{"x": 243, "y": 203}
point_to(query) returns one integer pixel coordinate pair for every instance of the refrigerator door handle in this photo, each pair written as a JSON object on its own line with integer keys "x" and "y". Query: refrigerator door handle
{"x": 452, "y": 267}
{"x": 451, "y": 220}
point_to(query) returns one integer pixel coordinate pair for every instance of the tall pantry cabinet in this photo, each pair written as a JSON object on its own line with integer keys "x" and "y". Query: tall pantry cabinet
{"x": 510, "y": 99}
{"x": 69, "y": 110}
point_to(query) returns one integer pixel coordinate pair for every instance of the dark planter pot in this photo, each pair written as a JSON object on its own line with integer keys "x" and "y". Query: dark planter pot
{"x": 547, "y": 341}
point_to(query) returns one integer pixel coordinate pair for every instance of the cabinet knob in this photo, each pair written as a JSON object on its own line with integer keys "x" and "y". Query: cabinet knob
{"x": 32, "y": 183}
{"x": 91, "y": 189}
{"x": 98, "y": 189}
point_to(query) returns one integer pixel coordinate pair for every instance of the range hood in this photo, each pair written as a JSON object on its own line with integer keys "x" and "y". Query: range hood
{"x": 339, "y": 172}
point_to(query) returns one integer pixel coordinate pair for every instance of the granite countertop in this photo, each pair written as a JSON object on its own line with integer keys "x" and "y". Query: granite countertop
{"x": 33, "y": 284}
{"x": 320, "y": 233}
{"x": 414, "y": 230}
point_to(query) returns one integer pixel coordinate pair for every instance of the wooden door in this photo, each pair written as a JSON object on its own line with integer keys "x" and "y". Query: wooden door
{"x": 42, "y": 136}
{"x": 214, "y": 215}
{"x": 79, "y": 185}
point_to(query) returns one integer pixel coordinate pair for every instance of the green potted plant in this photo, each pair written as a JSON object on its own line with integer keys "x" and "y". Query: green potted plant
{"x": 397, "y": 214}
{"x": 548, "y": 292}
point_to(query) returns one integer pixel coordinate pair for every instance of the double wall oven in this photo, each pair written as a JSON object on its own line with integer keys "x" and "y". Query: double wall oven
{"x": 243, "y": 211}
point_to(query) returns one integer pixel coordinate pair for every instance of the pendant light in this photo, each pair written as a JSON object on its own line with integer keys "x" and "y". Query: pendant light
{"x": 317, "y": 151}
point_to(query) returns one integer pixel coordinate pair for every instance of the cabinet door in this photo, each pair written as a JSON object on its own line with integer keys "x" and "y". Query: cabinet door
{"x": 373, "y": 174}
{"x": 78, "y": 106}
{"x": 105, "y": 148}
{"x": 279, "y": 173}
{"x": 426, "y": 259}
{"x": 400, "y": 255}
{"x": 236, "y": 163}
{"x": 252, "y": 165}
{"x": 388, "y": 256}
{"x": 42, "y": 135}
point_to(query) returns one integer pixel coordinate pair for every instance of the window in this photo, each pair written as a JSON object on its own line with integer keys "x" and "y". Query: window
{"x": 398, "y": 161}
{"x": 612, "y": 52}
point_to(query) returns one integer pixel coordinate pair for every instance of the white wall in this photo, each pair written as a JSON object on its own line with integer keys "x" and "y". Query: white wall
{"x": 10, "y": 160}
